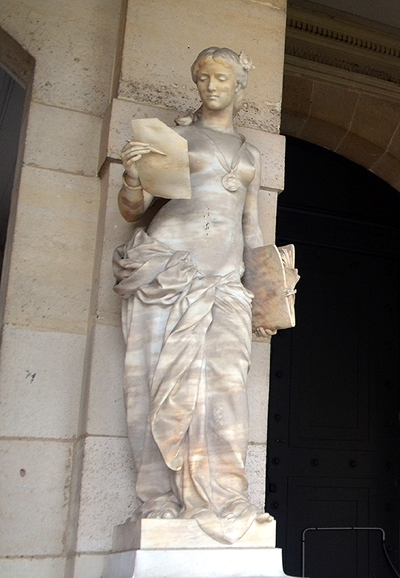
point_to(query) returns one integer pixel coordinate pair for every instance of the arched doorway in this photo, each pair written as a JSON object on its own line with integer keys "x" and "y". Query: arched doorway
{"x": 333, "y": 434}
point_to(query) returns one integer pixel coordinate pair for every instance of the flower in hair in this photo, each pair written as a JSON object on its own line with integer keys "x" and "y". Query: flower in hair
{"x": 245, "y": 61}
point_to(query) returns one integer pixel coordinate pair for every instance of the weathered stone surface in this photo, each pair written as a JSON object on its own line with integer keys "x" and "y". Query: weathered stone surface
{"x": 257, "y": 391}
{"x": 29, "y": 567}
{"x": 53, "y": 252}
{"x": 106, "y": 405}
{"x": 34, "y": 505}
{"x": 74, "y": 45}
{"x": 40, "y": 390}
{"x": 108, "y": 491}
{"x": 62, "y": 140}
{"x": 155, "y": 67}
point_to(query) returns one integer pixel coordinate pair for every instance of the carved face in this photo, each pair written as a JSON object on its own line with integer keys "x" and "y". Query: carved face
{"x": 217, "y": 84}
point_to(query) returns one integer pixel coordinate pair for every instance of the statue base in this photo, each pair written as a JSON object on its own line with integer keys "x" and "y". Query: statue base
{"x": 199, "y": 563}
{"x": 153, "y": 548}
{"x": 159, "y": 534}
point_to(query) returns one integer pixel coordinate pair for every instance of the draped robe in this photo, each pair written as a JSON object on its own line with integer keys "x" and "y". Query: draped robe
{"x": 188, "y": 339}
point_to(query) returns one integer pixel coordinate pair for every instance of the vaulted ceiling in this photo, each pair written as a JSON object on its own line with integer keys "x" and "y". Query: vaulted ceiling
{"x": 342, "y": 83}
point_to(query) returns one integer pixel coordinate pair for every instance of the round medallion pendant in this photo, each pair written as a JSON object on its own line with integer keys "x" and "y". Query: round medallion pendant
{"x": 230, "y": 182}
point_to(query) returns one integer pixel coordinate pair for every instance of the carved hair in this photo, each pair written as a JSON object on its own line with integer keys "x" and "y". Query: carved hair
{"x": 239, "y": 63}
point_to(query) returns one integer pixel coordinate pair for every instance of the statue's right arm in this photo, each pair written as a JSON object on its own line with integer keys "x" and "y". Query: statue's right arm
{"x": 133, "y": 201}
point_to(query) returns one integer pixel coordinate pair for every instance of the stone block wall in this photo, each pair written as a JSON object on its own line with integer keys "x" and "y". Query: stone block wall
{"x": 48, "y": 292}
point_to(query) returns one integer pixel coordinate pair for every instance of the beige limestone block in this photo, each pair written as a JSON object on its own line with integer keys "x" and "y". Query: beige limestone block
{"x": 106, "y": 413}
{"x": 89, "y": 566}
{"x": 62, "y": 140}
{"x": 158, "y": 534}
{"x": 297, "y": 96}
{"x": 33, "y": 567}
{"x": 40, "y": 390}
{"x": 322, "y": 133}
{"x": 74, "y": 490}
{"x": 296, "y": 102}
{"x": 156, "y": 67}
{"x": 116, "y": 232}
{"x": 256, "y": 472}
{"x": 74, "y": 44}
{"x": 108, "y": 492}
{"x": 33, "y": 499}
{"x": 327, "y": 123}
{"x": 267, "y": 206}
{"x": 291, "y": 125}
{"x": 359, "y": 150}
{"x": 53, "y": 251}
{"x": 315, "y": 111}
{"x": 258, "y": 389}
{"x": 334, "y": 104}
{"x": 376, "y": 119}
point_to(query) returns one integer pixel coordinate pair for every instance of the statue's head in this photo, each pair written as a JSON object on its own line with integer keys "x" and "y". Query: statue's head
{"x": 240, "y": 64}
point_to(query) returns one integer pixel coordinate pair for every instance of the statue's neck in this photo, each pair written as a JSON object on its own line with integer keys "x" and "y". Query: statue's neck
{"x": 220, "y": 120}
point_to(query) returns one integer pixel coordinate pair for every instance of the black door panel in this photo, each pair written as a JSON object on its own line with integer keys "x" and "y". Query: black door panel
{"x": 333, "y": 435}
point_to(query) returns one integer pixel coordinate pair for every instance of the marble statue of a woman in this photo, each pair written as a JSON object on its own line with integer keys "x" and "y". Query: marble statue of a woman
{"x": 187, "y": 316}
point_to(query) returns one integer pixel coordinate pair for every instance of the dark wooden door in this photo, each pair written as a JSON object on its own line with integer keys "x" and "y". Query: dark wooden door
{"x": 333, "y": 436}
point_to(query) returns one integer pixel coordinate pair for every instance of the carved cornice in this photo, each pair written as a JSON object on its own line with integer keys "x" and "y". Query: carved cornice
{"x": 341, "y": 44}
{"x": 344, "y": 64}
{"x": 342, "y": 37}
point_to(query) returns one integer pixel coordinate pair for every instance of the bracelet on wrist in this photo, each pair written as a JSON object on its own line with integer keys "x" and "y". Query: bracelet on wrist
{"x": 136, "y": 188}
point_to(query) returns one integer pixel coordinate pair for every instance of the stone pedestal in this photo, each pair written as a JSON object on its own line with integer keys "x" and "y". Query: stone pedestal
{"x": 179, "y": 549}
{"x": 156, "y": 534}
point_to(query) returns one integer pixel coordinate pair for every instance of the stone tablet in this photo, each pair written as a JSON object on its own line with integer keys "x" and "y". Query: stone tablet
{"x": 164, "y": 173}
{"x": 271, "y": 276}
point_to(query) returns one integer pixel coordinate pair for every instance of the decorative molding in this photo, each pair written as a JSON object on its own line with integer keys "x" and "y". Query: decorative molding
{"x": 341, "y": 77}
{"x": 342, "y": 37}
{"x": 342, "y": 44}
{"x": 344, "y": 64}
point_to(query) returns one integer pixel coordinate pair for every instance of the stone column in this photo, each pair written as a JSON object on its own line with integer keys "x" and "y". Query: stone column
{"x": 48, "y": 275}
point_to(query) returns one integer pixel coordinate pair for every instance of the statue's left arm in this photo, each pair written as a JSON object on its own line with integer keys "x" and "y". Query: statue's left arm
{"x": 253, "y": 237}
{"x": 251, "y": 228}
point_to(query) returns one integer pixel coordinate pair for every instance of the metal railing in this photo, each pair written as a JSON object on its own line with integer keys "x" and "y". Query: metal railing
{"x": 303, "y": 544}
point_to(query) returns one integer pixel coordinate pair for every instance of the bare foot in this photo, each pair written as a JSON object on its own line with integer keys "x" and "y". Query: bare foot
{"x": 262, "y": 518}
{"x": 168, "y": 511}
{"x": 164, "y": 506}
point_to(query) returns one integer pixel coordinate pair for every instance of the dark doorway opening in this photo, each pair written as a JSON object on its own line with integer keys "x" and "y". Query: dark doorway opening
{"x": 12, "y": 99}
{"x": 333, "y": 439}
